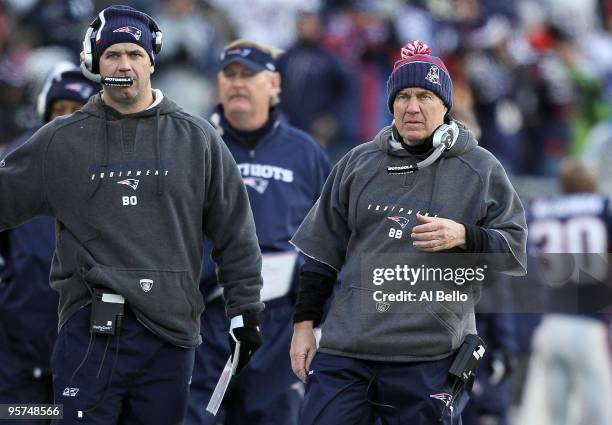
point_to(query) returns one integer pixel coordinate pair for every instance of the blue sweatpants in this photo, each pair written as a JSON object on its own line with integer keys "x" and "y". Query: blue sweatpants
{"x": 150, "y": 377}
{"x": 349, "y": 391}
{"x": 266, "y": 392}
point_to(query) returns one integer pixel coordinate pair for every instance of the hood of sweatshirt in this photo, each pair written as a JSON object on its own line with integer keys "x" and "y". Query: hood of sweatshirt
{"x": 95, "y": 107}
{"x": 465, "y": 142}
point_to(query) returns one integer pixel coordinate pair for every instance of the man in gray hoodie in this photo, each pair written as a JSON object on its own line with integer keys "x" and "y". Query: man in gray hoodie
{"x": 133, "y": 182}
{"x": 421, "y": 186}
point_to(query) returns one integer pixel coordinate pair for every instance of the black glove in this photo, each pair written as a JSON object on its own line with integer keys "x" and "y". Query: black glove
{"x": 244, "y": 328}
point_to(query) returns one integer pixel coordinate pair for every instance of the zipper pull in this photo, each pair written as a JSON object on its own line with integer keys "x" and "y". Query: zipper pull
{"x": 252, "y": 153}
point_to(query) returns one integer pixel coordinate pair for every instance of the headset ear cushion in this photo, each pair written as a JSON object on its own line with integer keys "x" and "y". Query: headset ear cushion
{"x": 439, "y": 134}
{"x": 454, "y": 134}
{"x": 157, "y": 42}
{"x": 87, "y": 52}
{"x": 446, "y": 134}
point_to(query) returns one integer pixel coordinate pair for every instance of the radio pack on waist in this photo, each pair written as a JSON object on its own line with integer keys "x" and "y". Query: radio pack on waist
{"x": 106, "y": 312}
{"x": 469, "y": 355}
{"x": 464, "y": 367}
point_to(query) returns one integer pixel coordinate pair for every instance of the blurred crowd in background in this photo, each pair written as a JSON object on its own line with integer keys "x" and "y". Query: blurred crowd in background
{"x": 534, "y": 78}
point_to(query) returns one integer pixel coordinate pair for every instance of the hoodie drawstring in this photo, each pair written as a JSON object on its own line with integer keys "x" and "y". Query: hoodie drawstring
{"x": 104, "y": 165}
{"x": 158, "y": 159}
{"x": 434, "y": 189}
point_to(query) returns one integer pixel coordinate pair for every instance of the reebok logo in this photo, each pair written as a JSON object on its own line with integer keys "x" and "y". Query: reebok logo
{"x": 70, "y": 392}
{"x": 146, "y": 284}
{"x": 382, "y": 307}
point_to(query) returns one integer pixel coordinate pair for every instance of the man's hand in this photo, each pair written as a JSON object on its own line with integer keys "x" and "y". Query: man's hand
{"x": 437, "y": 234}
{"x": 303, "y": 349}
{"x": 245, "y": 330}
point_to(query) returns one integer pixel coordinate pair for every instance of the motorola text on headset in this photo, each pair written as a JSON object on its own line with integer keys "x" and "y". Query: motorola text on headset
{"x": 443, "y": 139}
{"x": 90, "y": 61}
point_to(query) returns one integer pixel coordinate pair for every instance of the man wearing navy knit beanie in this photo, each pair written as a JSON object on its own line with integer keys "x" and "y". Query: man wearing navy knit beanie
{"x": 123, "y": 31}
{"x": 134, "y": 184}
{"x": 423, "y": 185}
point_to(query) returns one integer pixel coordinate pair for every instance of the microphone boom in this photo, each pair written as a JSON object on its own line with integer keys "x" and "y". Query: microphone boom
{"x": 106, "y": 81}
{"x": 117, "y": 81}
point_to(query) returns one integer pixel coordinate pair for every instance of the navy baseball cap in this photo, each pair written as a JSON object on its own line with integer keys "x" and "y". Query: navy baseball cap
{"x": 251, "y": 57}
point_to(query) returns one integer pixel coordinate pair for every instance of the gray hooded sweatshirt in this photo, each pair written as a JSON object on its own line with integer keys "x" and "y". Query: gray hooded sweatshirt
{"x": 132, "y": 196}
{"x": 350, "y": 222}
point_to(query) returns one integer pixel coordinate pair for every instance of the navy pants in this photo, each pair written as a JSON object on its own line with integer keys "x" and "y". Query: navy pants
{"x": 150, "y": 377}
{"x": 349, "y": 391}
{"x": 266, "y": 392}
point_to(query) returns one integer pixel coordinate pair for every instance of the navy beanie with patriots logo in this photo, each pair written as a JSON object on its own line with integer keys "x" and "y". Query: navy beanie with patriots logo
{"x": 124, "y": 24}
{"x": 417, "y": 68}
{"x": 68, "y": 85}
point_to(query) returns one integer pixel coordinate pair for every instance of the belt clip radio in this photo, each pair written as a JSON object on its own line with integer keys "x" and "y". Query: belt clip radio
{"x": 106, "y": 312}
{"x": 467, "y": 359}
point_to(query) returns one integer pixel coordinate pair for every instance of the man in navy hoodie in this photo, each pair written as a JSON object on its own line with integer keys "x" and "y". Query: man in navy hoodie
{"x": 133, "y": 182}
{"x": 28, "y": 306}
{"x": 283, "y": 170}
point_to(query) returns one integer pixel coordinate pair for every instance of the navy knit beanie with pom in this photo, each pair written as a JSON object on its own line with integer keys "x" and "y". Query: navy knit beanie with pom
{"x": 417, "y": 68}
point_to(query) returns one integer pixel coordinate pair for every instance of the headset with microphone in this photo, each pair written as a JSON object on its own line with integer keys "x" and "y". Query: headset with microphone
{"x": 443, "y": 139}
{"x": 90, "y": 61}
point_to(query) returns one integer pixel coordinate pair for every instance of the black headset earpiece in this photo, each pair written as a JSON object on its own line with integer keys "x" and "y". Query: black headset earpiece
{"x": 156, "y": 35}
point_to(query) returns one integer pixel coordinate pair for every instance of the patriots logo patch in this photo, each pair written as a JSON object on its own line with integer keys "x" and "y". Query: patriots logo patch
{"x": 237, "y": 51}
{"x": 444, "y": 397}
{"x": 133, "y": 183}
{"x": 135, "y": 32}
{"x": 299, "y": 388}
{"x": 83, "y": 89}
{"x": 260, "y": 185}
{"x": 433, "y": 76}
{"x": 402, "y": 221}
